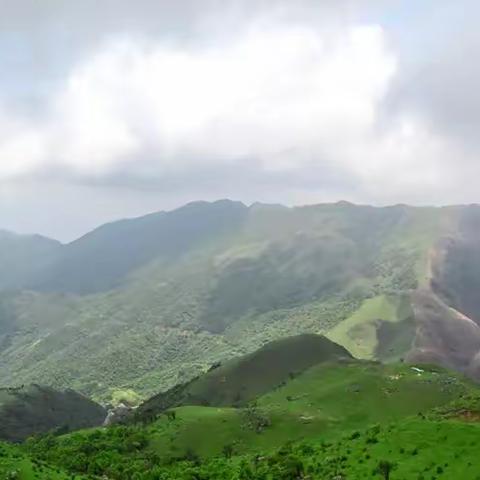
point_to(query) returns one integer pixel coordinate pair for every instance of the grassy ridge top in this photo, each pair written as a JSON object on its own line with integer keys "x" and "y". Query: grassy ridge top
{"x": 326, "y": 401}
{"x": 240, "y": 380}
{"x": 335, "y": 418}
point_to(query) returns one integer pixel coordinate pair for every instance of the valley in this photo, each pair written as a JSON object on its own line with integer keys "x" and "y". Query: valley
{"x": 244, "y": 343}
{"x": 239, "y": 240}
{"x": 141, "y": 305}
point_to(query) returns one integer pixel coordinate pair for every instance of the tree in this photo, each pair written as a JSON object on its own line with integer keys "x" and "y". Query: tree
{"x": 228, "y": 451}
{"x": 171, "y": 415}
{"x": 385, "y": 468}
{"x": 245, "y": 472}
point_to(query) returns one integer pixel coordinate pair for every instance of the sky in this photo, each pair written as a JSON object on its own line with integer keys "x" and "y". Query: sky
{"x": 112, "y": 108}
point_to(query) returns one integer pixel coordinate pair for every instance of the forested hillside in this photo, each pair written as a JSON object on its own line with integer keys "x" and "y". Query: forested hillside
{"x": 35, "y": 409}
{"x": 140, "y": 305}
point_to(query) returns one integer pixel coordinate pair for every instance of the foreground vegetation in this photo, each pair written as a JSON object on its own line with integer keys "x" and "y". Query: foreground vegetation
{"x": 416, "y": 448}
{"x": 16, "y": 464}
{"x": 346, "y": 420}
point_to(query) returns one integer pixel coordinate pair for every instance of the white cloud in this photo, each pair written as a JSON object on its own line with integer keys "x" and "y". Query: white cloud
{"x": 286, "y": 96}
{"x": 274, "y": 89}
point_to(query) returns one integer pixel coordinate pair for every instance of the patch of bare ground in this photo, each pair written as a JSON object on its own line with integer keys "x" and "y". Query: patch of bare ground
{"x": 465, "y": 415}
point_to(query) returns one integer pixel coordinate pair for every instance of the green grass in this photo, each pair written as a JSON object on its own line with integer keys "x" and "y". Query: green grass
{"x": 417, "y": 449}
{"x": 335, "y": 418}
{"x": 324, "y": 404}
{"x": 327, "y": 401}
{"x": 360, "y": 333}
{"x": 203, "y": 430}
{"x": 332, "y": 421}
{"x": 420, "y": 450}
{"x": 16, "y": 465}
{"x": 240, "y": 380}
{"x": 345, "y": 397}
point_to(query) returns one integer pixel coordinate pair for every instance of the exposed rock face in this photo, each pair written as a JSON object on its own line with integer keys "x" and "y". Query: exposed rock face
{"x": 444, "y": 336}
{"x": 117, "y": 415}
{"x": 447, "y": 312}
{"x": 456, "y": 271}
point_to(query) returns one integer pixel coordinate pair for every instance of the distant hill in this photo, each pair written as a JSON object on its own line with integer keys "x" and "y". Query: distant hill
{"x": 243, "y": 379}
{"x": 144, "y": 304}
{"x": 25, "y": 258}
{"x": 102, "y": 259}
{"x": 34, "y": 409}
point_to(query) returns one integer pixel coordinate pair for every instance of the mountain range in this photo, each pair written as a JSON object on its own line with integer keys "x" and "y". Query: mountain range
{"x": 140, "y": 305}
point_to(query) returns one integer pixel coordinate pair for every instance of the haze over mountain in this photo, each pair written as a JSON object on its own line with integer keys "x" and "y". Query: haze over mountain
{"x": 146, "y": 303}
{"x": 107, "y": 112}
{"x": 239, "y": 240}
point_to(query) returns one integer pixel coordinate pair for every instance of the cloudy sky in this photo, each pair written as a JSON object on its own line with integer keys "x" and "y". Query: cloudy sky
{"x": 116, "y": 108}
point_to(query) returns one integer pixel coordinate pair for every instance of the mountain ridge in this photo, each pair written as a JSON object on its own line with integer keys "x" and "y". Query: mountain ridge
{"x": 147, "y": 303}
{"x": 246, "y": 205}
{"x": 242, "y": 379}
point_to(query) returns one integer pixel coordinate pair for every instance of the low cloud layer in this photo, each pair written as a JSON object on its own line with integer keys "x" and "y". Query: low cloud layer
{"x": 363, "y": 102}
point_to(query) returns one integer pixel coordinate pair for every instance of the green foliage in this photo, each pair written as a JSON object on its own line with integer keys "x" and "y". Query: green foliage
{"x": 24, "y": 258}
{"x": 385, "y": 468}
{"x": 15, "y": 464}
{"x": 34, "y": 409}
{"x": 382, "y": 328}
{"x": 241, "y": 380}
{"x": 443, "y": 450}
{"x": 144, "y": 304}
{"x": 127, "y": 397}
{"x": 337, "y": 420}
{"x": 139, "y": 306}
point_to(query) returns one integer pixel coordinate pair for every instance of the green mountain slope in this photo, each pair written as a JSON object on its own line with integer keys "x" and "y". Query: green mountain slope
{"x": 241, "y": 380}
{"x": 382, "y": 328}
{"x": 342, "y": 415}
{"x": 15, "y": 464}
{"x": 410, "y": 449}
{"x": 327, "y": 401}
{"x": 23, "y": 258}
{"x": 145, "y": 304}
{"x": 102, "y": 259}
{"x": 34, "y": 409}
